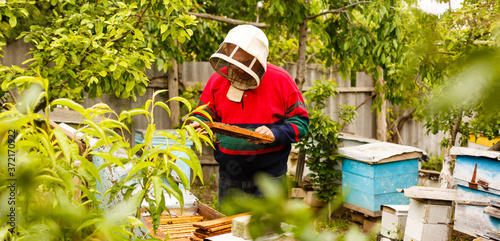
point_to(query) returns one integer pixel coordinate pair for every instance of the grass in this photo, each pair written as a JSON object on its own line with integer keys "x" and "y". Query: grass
{"x": 340, "y": 224}
{"x": 207, "y": 194}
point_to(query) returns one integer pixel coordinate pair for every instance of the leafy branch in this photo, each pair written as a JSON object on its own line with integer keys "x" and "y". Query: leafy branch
{"x": 339, "y": 10}
{"x": 227, "y": 20}
{"x": 116, "y": 39}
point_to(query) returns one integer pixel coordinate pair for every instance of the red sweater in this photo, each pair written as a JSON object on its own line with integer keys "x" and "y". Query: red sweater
{"x": 276, "y": 103}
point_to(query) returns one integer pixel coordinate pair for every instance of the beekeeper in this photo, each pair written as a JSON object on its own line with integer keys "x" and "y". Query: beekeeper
{"x": 250, "y": 93}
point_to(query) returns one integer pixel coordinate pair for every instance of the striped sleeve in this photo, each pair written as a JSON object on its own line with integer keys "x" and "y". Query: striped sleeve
{"x": 206, "y": 99}
{"x": 296, "y": 123}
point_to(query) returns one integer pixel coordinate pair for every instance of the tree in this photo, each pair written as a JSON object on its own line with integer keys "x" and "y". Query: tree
{"x": 465, "y": 103}
{"x": 96, "y": 46}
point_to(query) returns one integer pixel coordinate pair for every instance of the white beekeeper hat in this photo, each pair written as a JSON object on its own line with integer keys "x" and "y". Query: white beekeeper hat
{"x": 242, "y": 59}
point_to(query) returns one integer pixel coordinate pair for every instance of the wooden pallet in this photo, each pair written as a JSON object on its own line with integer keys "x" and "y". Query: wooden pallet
{"x": 215, "y": 227}
{"x": 207, "y": 223}
{"x": 180, "y": 228}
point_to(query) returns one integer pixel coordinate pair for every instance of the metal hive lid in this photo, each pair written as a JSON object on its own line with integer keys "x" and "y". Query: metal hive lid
{"x": 380, "y": 152}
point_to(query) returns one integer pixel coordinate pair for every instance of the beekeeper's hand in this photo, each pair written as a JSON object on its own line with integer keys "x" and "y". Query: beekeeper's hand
{"x": 198, "y": 128}
{"x": 262, "y": 130}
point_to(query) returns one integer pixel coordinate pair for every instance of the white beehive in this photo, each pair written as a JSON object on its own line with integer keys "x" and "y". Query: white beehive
{"x": 394, "y": 221}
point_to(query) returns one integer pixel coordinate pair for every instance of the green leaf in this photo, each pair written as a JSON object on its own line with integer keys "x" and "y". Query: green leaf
{"x": 136, "y": 148}
{"x": 158, "y": 92}
{"x": 171, "y": 138}
{"x": 181, "y": 39}
{"x": 110, "y": 123}
{"x": 192, "y": 162}
{"x": 164, "y": 106}
{"x": 13, "y": 21}
{"x": 151, "y": 153}
{"x": 50, "y": 179}
{"x": 24, "y": 12}
{"x": 89, "y": 167}
{"x": 98, "y": 130}
{"x": 147, "y": 104}
{"x": 66, "y": 176}
{"x": 133, "y": 112}
{"x": 70, "y": 104}
{"x": 346, "y": 45}
{"x": 183, "y": 100}
{"x": 115, "y": 189}
{"x": 24, "y": 80}
{"x": 129, "y": 86}
{"x": 176, "y": 191}
{"x": 201, "y": 110}
{"x": 148, "y": 138}
{"x": 84, "y": 7}
{"x": 138, "y": 167}
{"x": 163, "y": 28}
{"x": 203, "y": 124}
{"x": 89, "y": 195}
{"x": 180, "y": 173}
{"x": 88, "y": 223}
{"x": 194, "y": 136}
{"x": 63, "y": 141}
{"x": 108, "y": 157}
{"x": 158, "y": 191}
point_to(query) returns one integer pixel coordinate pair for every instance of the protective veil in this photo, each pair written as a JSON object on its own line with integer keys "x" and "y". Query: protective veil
{"x": 242, "y": 59}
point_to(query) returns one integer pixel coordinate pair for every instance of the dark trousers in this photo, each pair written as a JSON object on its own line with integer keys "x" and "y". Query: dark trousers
{"x": 248, "y": 187}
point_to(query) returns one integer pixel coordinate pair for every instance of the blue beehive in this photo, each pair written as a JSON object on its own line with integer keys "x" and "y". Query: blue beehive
{"x": 161, "y": 140}
{"x": 477, "y": 175}
{"x": 372, "y": 173}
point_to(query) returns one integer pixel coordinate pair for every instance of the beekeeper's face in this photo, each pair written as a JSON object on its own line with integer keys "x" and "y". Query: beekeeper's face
{"x": 242, "y": 57}
{"x": 235, "y": 70}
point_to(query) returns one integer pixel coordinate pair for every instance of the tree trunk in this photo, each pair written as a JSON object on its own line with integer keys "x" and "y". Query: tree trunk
{"x": 382, "y": 114}
{"x": 173, "y": 91}
{"x": 446, "y": 177}
{"x": 301, "y": 62}
{"x": 398, "y": 126}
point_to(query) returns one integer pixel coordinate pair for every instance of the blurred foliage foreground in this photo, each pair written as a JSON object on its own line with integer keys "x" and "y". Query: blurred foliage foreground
{"x": 48, "y": 183}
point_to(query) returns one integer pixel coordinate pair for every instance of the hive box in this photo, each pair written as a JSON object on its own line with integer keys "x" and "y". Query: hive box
{"x": 476, "y": 193}
{"x": 430, "y": 213}
{"x": 372, "y": 173}
{"x": 394, "y": 221}
{"x": 418, "y": 231}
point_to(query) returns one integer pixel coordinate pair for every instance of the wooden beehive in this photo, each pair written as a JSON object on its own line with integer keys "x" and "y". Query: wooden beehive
{"x": 394, "y": 221}
{"x": 430, "y": 213}
{"x": 372, "y": 173}
{"x": 477, "y": 175}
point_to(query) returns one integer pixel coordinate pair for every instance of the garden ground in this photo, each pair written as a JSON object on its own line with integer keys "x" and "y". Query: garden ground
{"x": 340, "y": 223}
